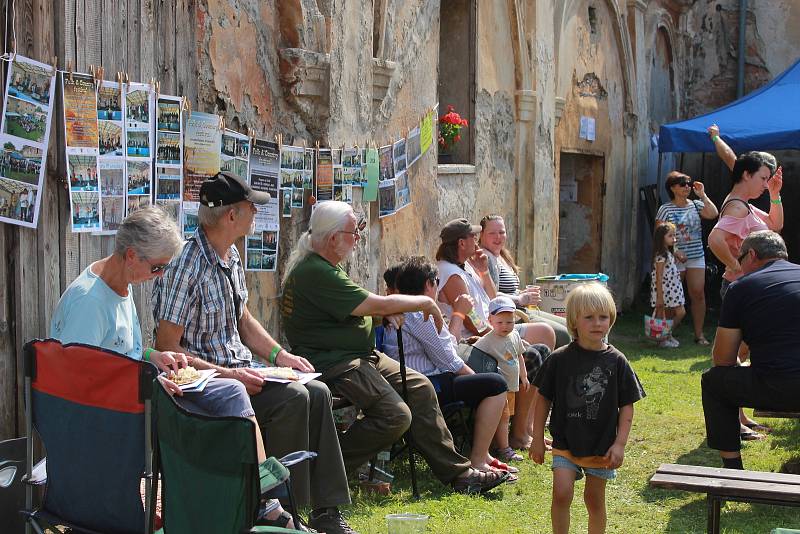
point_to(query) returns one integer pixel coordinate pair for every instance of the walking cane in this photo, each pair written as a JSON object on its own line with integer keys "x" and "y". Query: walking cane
{"x": 404, "y": 389}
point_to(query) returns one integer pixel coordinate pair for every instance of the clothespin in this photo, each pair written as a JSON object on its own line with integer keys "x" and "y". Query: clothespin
{"x": 69, "y": 69}
{"x": 119, "y": 82}
{"x": 55, "y": 64}
{"x": 158, "y": 88}
{"x": 13, "y": 50}
{"x": 221, "y": 123}
{"x": 127, "y": 79}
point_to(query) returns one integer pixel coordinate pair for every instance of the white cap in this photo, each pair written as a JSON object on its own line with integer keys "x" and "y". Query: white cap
{"x": 501, "y": 304}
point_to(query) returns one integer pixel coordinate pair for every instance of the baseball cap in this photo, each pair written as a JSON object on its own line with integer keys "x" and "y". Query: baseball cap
{"x": 501, "y": 304}
{"x": 225, "y": 188}
{"x": 458, "y": 229}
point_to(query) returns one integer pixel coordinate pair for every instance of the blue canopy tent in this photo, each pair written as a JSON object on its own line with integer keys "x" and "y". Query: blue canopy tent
{"x": 766, "y": 119}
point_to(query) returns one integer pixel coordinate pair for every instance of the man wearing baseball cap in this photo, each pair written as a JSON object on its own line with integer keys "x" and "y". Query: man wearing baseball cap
{"x": 200, "y": 309}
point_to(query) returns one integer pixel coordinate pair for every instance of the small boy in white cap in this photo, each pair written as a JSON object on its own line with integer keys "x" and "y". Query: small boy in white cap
{"x": 505, "y": 345}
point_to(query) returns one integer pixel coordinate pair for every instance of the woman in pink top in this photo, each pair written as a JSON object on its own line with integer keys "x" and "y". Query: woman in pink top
{"x": 752, "y": 173}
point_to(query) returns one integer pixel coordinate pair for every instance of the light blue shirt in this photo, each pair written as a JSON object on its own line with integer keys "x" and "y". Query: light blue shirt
{"x": 91, "y": 312}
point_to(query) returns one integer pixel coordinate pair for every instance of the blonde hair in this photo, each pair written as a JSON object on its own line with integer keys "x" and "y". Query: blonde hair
{"x": 586, "y": 298}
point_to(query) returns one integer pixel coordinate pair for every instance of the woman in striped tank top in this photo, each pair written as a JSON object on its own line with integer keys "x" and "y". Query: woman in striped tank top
{"x": 687, "y": 215}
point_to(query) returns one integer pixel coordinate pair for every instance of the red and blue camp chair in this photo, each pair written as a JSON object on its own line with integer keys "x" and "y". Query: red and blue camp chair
{"x": 91, "y": 409}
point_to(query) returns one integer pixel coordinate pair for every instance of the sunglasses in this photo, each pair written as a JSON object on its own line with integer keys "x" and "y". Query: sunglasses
{"x": 155, "y": 268}
{"x": 684, "y": 183}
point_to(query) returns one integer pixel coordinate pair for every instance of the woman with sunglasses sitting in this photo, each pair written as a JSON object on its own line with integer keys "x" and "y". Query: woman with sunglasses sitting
{"x": 687, "y": 214}
{"x": 97, "y": 309}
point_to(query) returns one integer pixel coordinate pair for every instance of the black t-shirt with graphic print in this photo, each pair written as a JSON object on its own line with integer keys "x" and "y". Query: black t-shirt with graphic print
{"x": 586, "y": 389}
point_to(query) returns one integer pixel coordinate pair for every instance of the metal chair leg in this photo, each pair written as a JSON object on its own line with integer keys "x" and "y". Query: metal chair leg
{"x": 408, "y": 438}
{"x": 713, "y": 514}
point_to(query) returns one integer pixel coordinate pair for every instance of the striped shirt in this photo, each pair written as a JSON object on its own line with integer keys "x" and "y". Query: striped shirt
{"x": 688, "y": 227}
{"x": 509, "y": 281}
{"x": 426, "y": 351}
{"x": 197, "y": 294}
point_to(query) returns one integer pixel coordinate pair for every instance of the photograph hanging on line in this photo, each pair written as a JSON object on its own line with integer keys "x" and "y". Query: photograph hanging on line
{"x": 30, "y": 81}
{"x": 20, "y": 161}
{"x": 399, "y": 151}
{"x": 385, "y": 163}
{"x": 109, "y": 103}
{"x": 85, "y": 211}
{"x": 387, "y": 196}
{"x": 235, "y": 146}
{"x": 112, "y": 178}
{"x": 202, "y": 140}
{"x": 137, "y": 105}
{"x": 413, "y": 147}
{"x": 297, "y": 198}
{"x": 25, "y": 120}
{"x": 403, "y": 191}
{"x": 292, "y": 158}
{"x": 168, "y": 183}
{"x": 138, "y": 141}
{"x": 82, "y": 172}
{"x": 336, "y": 156}
{"x": 110, "y": 138}
{"x": 169, "y": 116}
{"x": 171, "y": 208}
{"x": 137, "y": 202}
{"x": 286, "y": 202}
{"x": 17, "y": 200}
{"x": 169, "y": 149}
{"x": 113, "y": 211}
{"x": 190, "y": 220}
{"x": 138, "y": 178}
{"x": 234, "y": 165}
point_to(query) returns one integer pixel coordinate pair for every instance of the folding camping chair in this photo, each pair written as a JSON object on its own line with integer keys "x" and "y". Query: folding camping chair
{"x": 91, "y": 409}
{"x": 210, "y": 472}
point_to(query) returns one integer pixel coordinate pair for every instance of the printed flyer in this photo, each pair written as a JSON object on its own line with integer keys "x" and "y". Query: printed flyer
{"x": 261, "y": 248}
{"x": 169, "y": 155}
{"x": 25, "y": 134}
{"x": 112, "y": 166}
{"x": 138, "y": 107}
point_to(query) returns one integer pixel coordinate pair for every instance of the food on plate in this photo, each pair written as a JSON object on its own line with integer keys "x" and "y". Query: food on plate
{"x": 283, "y": 373}
{"x": 186, "y": 375}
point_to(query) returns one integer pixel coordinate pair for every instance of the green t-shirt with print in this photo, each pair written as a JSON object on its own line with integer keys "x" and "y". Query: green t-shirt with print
{"x": 316, "y": 307}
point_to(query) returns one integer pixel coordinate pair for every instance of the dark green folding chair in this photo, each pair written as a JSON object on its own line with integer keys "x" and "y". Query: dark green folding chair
{"x": 211, "y": 478}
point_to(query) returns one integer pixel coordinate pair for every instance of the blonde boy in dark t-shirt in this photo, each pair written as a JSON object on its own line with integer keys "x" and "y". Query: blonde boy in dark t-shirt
{"x": 591, "y": 389}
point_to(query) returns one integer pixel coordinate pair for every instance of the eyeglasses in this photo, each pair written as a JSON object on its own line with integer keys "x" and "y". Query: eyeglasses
{"x": 743, "y": 255}
{"x": 684, "y": 183}
{"x": 155, "y": 268}
{"x": 360, "y": 227}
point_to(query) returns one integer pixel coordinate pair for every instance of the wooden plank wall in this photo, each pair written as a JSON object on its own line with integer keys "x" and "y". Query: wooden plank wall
{"x": 144, "y": 38}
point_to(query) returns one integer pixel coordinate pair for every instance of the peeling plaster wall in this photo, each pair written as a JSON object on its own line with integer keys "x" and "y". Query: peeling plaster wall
{"x": 590, "y": 80}
{"x": 712, "y": 32}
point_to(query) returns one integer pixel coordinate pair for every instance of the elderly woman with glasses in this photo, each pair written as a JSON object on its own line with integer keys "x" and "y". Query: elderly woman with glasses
{"x": 687, "y": 214}
{"x": 97, "y": 309}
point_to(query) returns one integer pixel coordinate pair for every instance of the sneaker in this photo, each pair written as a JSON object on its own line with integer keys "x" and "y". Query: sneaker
{"x": 675, "y": 342}
{"x": 668, "y": 343}
{"x": 330, "y": 521}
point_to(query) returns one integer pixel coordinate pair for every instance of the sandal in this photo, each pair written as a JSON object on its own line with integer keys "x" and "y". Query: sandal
{"x": 282, "y": 521}
{"x": 508, "y": 455}
{"x": 758, "y": 427}
{"x": 702, "y": 341}
{"x": 751, "y": 436}
{"x": 497, "y": 464}
{"x": 479, "y": 481}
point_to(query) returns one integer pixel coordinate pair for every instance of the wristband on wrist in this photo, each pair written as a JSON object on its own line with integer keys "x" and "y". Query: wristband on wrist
{"x": 459, "y": 314}
{"x": 273, "y": 354}
{"x": 146, "y": 356}
{"x": 714, "y": 138}
{"x": 776, "y": 200}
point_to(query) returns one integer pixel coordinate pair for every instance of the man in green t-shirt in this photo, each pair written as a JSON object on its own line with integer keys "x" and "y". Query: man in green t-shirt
{"x": 328, "y": 318}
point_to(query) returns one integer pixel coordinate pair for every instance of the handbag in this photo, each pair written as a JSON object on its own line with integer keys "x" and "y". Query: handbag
{"x": 657, "y": 328}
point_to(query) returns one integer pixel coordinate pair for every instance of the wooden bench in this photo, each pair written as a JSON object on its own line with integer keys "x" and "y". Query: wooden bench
{"x": 729, "y": 485}
{"x": 776, "y": 415}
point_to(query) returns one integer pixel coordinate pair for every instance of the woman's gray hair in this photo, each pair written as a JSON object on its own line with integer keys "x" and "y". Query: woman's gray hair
{"x": 766, "y": 244}
{"x": 209, "y": 217}
{"x": 150, "y": 232}
{"x": 328, "y": 217}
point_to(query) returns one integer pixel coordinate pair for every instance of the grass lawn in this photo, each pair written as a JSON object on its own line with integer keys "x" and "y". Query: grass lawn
{"x": 668, "y": 428}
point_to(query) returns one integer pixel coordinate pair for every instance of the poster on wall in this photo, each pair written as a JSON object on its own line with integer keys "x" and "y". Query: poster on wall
{"x": 413, "y": 146}
{"x": 324, "y": 175}
{"x": 385, "y": 163}
{"x": 403, "y": 191}
{"x": 169, "y": 155}
{"x": 261, "y": 248}
{"x": 82, "y": 149}
{"x": 372, "y": 172}
{"x": 25, "y": 134}
{"x": 234, "y": 153}
{"x": 202, "y": 144}
{"x": 387, "y": 197}
{"x": 138, "y": 108}
{"x": 426, "y": 132}
{"x": 111, "y": 161}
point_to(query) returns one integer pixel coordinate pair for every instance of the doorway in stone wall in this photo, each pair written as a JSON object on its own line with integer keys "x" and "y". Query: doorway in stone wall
{"x": 580, "y": 203}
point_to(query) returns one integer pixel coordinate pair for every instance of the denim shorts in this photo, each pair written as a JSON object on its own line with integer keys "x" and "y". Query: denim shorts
{"x": 693, "y": 263}
{"x": 562, "y": 462}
